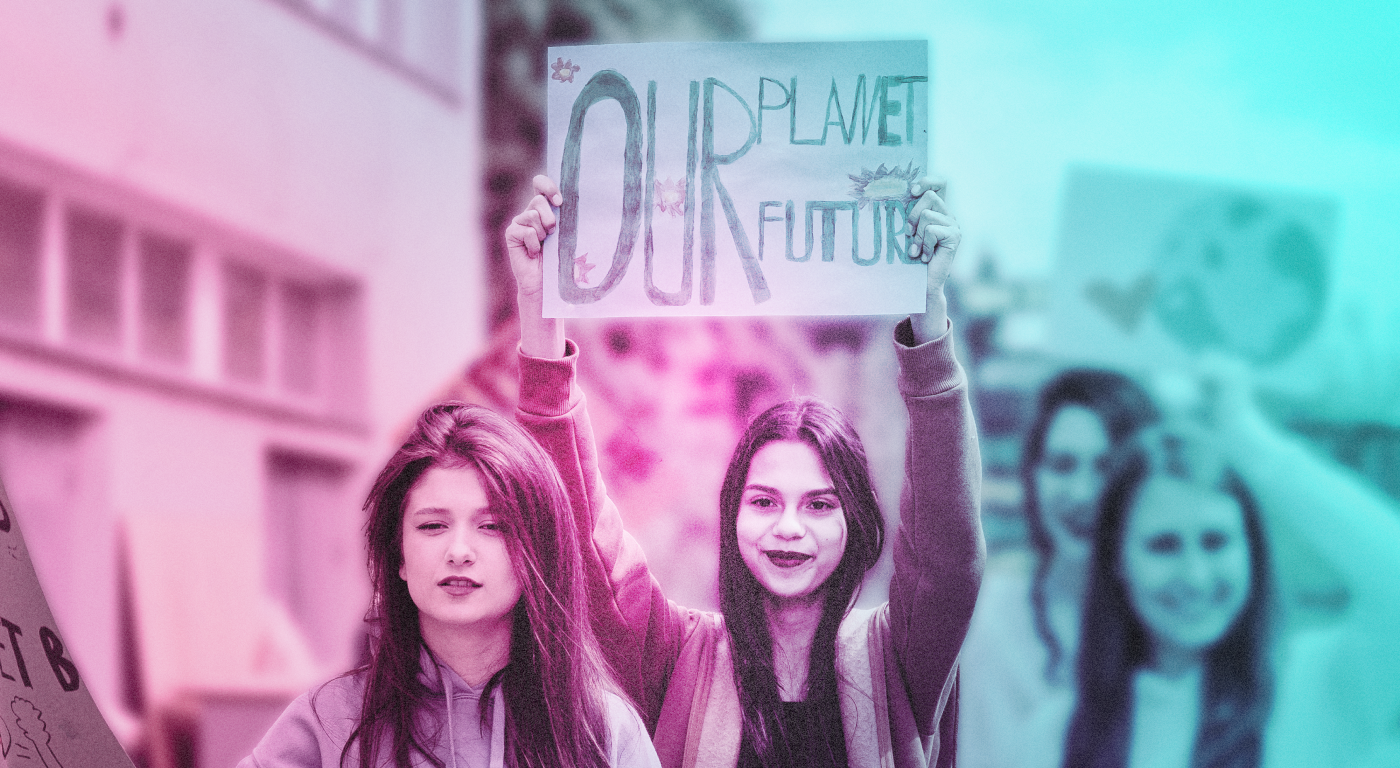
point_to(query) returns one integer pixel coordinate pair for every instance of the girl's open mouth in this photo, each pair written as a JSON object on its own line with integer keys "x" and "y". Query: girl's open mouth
{"x": 459, "y": 585}
{"x": 784, "y": 559}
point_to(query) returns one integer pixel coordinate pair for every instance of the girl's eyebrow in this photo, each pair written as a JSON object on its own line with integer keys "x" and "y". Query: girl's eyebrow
{"x": 775, "y": 492}
{"x": 763, "y": 488}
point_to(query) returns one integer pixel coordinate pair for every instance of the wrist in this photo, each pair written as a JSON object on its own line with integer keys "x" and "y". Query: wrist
{"x": 933, "y": 321}
{"x": 540, "y": 336}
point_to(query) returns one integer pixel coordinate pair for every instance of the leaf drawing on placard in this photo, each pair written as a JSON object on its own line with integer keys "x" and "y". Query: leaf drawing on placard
{"x": 1124, "y": 306}
{"x": 582, "y": 268}
{"x": 670, "y": 196}
{"x": 563, "y": 70}
{"x": 30, "y": 721}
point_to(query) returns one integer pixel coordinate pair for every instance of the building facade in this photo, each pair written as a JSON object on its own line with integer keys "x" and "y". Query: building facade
{"x": 239, "y": 250}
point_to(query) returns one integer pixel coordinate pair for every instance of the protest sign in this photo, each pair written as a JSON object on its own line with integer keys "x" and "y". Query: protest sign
{"x": 1154, "y": 270}
{"x": 735, "y": 178}
{"x": 47, "y": 717}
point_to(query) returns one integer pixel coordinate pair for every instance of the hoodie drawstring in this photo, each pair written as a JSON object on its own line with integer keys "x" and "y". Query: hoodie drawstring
{"x": 498, "y": 729}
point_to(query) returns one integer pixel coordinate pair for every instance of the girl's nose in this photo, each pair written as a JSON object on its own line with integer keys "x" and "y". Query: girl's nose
{"x": 789, "y": 525}
{"x": 460, "y": 550}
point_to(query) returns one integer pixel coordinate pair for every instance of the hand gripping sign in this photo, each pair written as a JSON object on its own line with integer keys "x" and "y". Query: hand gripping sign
{"x": 47, "y": 717}
{"x": 735, "y": 178}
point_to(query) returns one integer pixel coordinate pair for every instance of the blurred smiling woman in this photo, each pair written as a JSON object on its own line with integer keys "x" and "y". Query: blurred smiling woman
{"x": 1181, "y": 662}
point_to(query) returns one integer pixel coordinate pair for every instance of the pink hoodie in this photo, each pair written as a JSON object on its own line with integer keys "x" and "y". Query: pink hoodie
{"x": 897, "y": 664}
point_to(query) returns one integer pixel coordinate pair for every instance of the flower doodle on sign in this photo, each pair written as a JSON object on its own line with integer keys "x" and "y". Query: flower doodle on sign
{"x": 670, "y": 196}
{"x": 563, "y": 70}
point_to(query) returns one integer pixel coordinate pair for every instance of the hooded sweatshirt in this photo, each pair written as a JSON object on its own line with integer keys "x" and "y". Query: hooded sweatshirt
{"x": 314, "y": 729}
{"x": 896, "y": 664}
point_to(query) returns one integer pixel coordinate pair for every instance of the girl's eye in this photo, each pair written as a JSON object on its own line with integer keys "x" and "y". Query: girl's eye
{"x": 762, "y": 502}
{"x": 1062, "y": 464}
{"x": 1164, "y": 544}
{"x": 432, "y": 526}
{"x": 1213, "y": 541}
{"x": 824, "y": 505}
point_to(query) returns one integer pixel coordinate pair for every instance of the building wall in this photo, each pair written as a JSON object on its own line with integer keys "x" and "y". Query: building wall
{"x": 327, "y": 149}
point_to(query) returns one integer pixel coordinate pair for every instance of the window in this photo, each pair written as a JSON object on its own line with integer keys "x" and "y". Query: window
{"x": 245, "y": 321}
{"x": 309, "y": 543}
{"x": 417, "y": 38}
{"x": 301, "y": 338}
{"x": 165, "y": 284}
{"x": 21, "y": 217}
{"x": 94, "y": 277}
{"x": 115, "y": 284}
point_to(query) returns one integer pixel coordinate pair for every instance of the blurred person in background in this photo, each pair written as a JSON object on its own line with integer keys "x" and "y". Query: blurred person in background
{"x": 1178, "y": 661}
{"x": 787, "y": 674}
{"x": 1017, "y": 664}
{"x": 482, "y": 653}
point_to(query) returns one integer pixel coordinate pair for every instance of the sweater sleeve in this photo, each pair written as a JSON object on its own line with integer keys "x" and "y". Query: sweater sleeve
{"x": 939, "y": 551}
{"x": 640, "y": 631}
{"x": 312, "y": 731}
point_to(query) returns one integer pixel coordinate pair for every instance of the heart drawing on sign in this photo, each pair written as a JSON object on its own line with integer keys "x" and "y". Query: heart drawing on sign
{"x": 1124, "y": 306}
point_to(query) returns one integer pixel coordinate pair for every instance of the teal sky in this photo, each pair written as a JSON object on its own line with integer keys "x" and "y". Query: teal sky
{"x": 1282, "y": 97}
{"x": 1301, "y": 95}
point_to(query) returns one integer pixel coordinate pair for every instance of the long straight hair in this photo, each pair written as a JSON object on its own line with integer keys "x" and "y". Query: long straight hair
{"x": 555, "y": 676}
{"x": 743, "y": 598}
{"x": 1123, "y": 408}
{"x": 1237, "y": 687}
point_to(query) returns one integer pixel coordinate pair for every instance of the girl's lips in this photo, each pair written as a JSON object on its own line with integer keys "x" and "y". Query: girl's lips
{"x": 457, "y": 586}
{"x": 784, "y": 559}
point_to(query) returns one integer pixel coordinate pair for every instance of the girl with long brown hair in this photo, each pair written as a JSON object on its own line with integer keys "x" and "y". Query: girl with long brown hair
{"x": 788, "y": 673}
{"x": 482, "y": 653}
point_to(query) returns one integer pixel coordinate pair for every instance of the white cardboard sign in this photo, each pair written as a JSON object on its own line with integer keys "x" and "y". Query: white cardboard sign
{"x": 735, "y": 178}
{"x": 1153, "y": 270}
{"x": 47, "y": 717}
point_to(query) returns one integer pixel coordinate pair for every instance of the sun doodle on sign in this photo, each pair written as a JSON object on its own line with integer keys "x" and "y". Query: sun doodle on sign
{"x": 883, "y": 184}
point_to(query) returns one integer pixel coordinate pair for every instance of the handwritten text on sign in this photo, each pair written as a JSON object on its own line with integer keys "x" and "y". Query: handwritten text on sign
{"x": 751, "y": 179}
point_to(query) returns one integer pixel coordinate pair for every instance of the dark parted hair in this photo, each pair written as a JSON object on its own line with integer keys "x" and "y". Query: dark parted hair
{"x": 1123, "y": 408}
{"x": 742, "y": 597}
{"x": 554, "y": 681}
{"x": 1237, "y": 681}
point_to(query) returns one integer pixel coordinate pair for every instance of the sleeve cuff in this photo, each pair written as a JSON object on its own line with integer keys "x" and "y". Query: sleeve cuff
{"x": 546, "y": 384}
{"x": 929, "y": 368}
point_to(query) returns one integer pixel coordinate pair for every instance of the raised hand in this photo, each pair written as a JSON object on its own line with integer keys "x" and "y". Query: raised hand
{"x": 935, "y": 239}
{"x": 526, "y": 234}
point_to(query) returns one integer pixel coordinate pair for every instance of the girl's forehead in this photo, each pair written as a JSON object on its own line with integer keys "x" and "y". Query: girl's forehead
{"x": 790, "y": 460}
{"x": 1075, "y": 427}
{"x": 1167, "y": 503}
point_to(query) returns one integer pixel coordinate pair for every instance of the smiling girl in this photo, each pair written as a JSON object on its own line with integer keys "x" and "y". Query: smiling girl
{"x": 1179, "y": 665}
{"x": 787, "y": 674}
{"x": 482, "y": 653}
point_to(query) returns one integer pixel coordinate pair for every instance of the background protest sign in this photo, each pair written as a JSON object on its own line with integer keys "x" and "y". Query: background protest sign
{"x": 47, "y": 716}
{"x": 735, "y": 178}
{"x": 1153, "y": 271}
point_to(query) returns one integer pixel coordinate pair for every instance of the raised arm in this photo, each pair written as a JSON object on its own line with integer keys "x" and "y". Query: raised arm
{"x": 540, "y": 336}
{"x": 939, "y": 551}
{"x": 640, "y": 632}
{"x": 1349, "y": 522}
